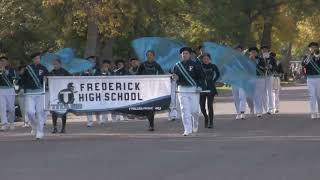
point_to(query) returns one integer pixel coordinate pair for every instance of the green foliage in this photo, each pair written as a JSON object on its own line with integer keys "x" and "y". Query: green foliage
{"x": 47, "y": 25}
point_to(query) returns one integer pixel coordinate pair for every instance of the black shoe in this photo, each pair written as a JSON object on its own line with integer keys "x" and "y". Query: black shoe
{"x": 210, "y": 126}
{"x": 55, "y": 130}
{"x": 63, "y": 131}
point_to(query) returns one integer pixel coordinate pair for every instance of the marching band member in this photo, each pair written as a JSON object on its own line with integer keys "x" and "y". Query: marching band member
{"x": 58, "y": 71}
{"x": 133, "y": 70}
{"x": 150, "y": 67}
{"x": 7, "y": 95}
{"x": 21, "y": 100}
{"x": 276, "y": 83}
{"x": 239, "y": 95}
{"x": 311, "y": 63}
{"x": 190, "y": 78}
{"x": 134, "y": 66}
{"x": 270, "y": 66}
{"x": 92, "y": 72}
{"x": 32, "y": 82}
{"x": 105, "y": 70}
{"x": 95, "y": 69}
{"x": 211, "y": 75}
{"x": 120, "y": 68}
{"x": 259, "y": 81}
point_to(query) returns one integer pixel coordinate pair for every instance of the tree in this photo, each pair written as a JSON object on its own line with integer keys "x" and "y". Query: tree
{"x": 106, "y": 27}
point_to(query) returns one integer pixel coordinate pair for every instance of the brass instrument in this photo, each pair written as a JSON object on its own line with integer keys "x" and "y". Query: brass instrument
{"x": 116, "y": 70}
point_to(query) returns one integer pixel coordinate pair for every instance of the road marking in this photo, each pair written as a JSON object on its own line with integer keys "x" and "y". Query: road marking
{"x": 209, "y": 137}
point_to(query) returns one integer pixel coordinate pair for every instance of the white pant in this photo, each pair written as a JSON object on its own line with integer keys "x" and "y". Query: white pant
{"x": 100, "y": 118}
{"x": 174, "y": 105}
{"x": 21, "y": 101}
{"x": 239, "y": 97}
{"x": 250, "y": 103}
{"x": 276, "y": 91}
{"x": 250, "y": 97}
{"x": 268, "y": 98}
{"x": 189, "y": 103}
{"x": 34, "y": 105}
{"x": 47, "y": 103}
{"x": 314, "y": 94}
{"x": 7, "y": 108}
{"x": 118, "y": 117}
{"x": 259, "y": 95}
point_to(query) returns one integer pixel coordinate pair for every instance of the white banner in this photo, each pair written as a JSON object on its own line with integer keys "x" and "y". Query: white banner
{"x": 128, "y": 94}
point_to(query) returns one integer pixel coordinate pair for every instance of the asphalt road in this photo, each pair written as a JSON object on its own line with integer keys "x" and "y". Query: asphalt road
{"x": 279, "y": 147}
